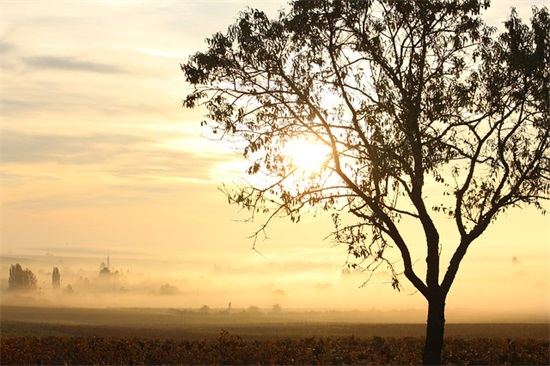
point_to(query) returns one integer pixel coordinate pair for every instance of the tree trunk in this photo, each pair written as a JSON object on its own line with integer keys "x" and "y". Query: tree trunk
{"x": 434, "y": 331}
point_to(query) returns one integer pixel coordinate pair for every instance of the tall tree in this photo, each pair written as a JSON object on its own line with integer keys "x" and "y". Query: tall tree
{"x": 56, "y": 278}
{"x": 21, "y": 279}
{"x": 402, "y": 94}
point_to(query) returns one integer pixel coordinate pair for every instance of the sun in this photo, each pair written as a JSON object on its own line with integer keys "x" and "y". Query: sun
{"x": 305, "y": 155}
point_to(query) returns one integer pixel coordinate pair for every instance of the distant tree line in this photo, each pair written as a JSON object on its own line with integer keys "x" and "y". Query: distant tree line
{"x": 25, "y": 279}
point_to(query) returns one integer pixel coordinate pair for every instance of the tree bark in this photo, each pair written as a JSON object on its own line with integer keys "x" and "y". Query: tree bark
{"x": 434, "y": 331}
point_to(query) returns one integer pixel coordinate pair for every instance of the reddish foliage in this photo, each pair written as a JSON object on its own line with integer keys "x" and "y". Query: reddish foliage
{"x": 229, "y": 349}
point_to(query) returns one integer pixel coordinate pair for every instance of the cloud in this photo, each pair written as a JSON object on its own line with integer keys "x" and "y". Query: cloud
{"x": 161, "y": 53}
{"x": 6, "y": 47}
{"x": 70, "y": 64}
{"x": 127, "y": 155}
{"x": 163, "y": 163}
{"x": 19, "y": 147}
{"x": 126, "y": 169}
{"x": 74, "y": 201}
{"x": 70, "y": 250}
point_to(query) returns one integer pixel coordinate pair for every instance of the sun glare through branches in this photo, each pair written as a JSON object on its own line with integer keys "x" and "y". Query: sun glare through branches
{"x": 307, "y": 156}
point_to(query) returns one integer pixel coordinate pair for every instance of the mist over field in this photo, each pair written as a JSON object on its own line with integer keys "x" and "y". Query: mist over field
{"x": 258, "y": 286}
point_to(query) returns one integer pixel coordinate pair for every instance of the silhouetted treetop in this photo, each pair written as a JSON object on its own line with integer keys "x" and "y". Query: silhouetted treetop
{"x": 401, "y": 92}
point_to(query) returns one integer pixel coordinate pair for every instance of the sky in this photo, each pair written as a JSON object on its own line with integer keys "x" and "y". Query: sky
{"x": 100, "y": 158}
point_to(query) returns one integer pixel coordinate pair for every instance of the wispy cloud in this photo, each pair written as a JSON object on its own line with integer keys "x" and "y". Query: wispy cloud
{"x": 70, "y": 64}
{"x": 125, "y": 156}
{"x": 161, "y": 53}
{"x": 6, "y": 47}
{"x": 115, "y": 170}
{"x": 19, "y": 147}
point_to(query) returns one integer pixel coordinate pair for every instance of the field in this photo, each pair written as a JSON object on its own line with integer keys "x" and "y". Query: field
{"x": 31, "y": 335}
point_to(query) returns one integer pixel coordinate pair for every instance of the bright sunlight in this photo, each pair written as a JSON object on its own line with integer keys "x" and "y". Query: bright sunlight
{"x": 306, "y": 155}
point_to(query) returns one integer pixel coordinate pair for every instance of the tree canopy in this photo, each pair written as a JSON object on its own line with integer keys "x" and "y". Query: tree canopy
{"x": 403, "y": 94}
{"x": 21, "y": 279}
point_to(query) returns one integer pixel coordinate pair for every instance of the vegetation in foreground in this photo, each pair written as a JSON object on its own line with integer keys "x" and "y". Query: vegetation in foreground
{"x": 227, "y": 349}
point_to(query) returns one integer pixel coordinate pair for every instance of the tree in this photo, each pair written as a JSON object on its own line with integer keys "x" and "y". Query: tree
{"x": 402, "y": 94}
{"x": 69, "y": 290}
{"x": 56, "y": 278}
{"x": 104, "y": 271}
{"x": 21, "y": 279}
{"x": 168, "y": 289}
{"x": 276, "y": 308}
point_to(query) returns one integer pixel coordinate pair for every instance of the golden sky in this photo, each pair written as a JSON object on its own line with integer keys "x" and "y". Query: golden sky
{"x": 99, "y": 157}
